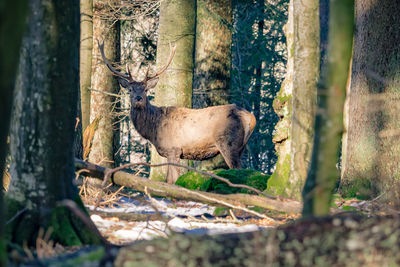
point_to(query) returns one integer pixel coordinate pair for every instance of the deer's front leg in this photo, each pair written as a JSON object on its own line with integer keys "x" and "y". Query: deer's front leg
{"x": 173, "y": 171}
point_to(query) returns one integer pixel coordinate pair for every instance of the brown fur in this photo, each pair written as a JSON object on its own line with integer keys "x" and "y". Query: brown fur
{"x": 195, "y": 134}
{"x": 176, "y": 132}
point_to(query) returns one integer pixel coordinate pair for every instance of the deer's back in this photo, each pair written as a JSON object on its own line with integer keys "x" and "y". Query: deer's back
{"x": 196, "y": 131}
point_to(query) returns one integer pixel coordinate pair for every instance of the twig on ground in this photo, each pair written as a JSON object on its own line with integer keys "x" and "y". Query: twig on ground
{"x": 16, "y": 215}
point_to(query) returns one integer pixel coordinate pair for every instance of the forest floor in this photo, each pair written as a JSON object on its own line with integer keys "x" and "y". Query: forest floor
{"x": 161, "y": 217}
{"x": 166, "y": 216}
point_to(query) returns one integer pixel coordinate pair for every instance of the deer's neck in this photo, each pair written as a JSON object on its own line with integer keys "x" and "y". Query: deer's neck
{"x": 146, "y": 120}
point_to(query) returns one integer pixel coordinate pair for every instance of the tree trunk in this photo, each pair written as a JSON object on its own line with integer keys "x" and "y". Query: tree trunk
{"x": 277, "y": 183}
{"x": 371, "y": 165}
{"x": 212, "y": 65}
{"x": 304, "y": 243}
{"x": 177, "y": 25}
{"x": 85, "y": 62}
{"x": 12, "y": 25}
{"x": 102, "y": 103}
{"x": 296, "y": 102}
{"x": 42, "y": 132}
{"x": 343, "y": 240}
{"x": 323, "y": 174}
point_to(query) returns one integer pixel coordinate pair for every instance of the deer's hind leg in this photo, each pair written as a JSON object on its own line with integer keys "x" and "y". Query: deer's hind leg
{"x": 230, "y": 154}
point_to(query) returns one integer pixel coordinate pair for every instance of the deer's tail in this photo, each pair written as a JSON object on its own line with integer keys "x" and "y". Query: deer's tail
{"x": 248, "y": 122}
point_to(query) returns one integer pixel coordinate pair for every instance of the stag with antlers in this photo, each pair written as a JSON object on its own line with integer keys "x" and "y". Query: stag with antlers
{"x": 184, "y": 133}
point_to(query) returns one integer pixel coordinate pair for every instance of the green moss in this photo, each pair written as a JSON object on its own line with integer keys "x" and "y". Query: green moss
{"x": 21, "y": 228}
{"x": 68, "y": 230}
{"x": 357, "y": 188}
{"x": 192, "y": 180}
{"x": 64, "y": 232}
{"x": 279, "y": 181}
{"x": 196, "y": 181}
{"x": 221, "y": 211}
{"x": 93, "y": 257}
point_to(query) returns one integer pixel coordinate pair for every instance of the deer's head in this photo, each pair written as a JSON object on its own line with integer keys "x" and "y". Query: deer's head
{"x": 137, "y": 89}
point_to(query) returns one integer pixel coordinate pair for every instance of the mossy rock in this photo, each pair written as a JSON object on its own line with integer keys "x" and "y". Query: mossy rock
{"x": 195, "y": 181}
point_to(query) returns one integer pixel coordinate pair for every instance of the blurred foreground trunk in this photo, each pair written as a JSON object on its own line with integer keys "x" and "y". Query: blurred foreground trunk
{"x": 344, "y": 240}
{"x": 42, "y": 132}
{"x": 323, "y": 173}
{"x": 12, "y": 25}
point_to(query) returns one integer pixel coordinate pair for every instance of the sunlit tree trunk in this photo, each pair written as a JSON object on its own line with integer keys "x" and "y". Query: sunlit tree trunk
{"x": 299, "y": 87}
{"x": 323, "y": 173}
{"x": 283, "y": 108}
{"x": 42, "y": 131}
{"x": 102, "y": 104}
{"x": 177, "y": 25}
{"x": 372, "y": 153}
{"x": 211, "y": 80}
{"x": 12, "y": 20}
{"x": 85, "y": 62}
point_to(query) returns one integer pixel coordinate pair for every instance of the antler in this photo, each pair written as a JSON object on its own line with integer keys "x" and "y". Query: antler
{"x": 160, "y": 71}
{"x": 112, "y": 69}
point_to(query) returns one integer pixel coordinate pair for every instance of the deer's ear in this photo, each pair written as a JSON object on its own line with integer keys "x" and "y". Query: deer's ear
{"x": 152, "y": 83}
{"x": 123, "y": 82}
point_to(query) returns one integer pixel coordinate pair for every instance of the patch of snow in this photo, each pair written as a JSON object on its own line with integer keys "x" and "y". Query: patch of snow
{"x": 182, "y": 220}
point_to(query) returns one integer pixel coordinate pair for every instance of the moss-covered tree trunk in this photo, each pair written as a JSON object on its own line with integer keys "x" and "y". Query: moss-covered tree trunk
{"x": 295, "y": 129}
{"x": 102, "y": 104}
{"x": 212, "y": 65}
{"x": 343, "y": 240}
{"x": 372, "y": 162}
{"x": 42, "y": 131}
{"x": 177, "y": 26}
{"x": 333, "y": 241}
{"x": 85, "y": 62}
{"x": 283, "y": 107}
{"x": 323, "y": 174}
{"x": 12, "y": 25}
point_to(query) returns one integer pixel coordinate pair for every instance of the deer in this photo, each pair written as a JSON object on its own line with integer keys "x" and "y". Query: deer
{"x": 185, "y": 133}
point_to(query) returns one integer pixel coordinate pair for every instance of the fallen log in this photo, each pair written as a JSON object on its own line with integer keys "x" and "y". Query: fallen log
{"x": 339, "y": 240}
{"x": 169, "y": 190}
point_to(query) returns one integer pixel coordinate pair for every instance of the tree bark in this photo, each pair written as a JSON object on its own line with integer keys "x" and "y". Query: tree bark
{"x": 282, "y": 105}
{"x": 323, "y": 174}
{"x": 85, "y": 62}
{"x": 304, "y": 101}
{"x": 332, "y": 241}
{"x": 212, "y": 61}
{"x": 168, "y": 190}
{"x": 371, "y": 165}
{"x": 42, "y": 132}
{"x": 12, "y": 25}
{"x": 177, "y": 26}
{"x": 342, "y": 240}
{"x": 296, "y": 102}
{"x": 101, "y": 103}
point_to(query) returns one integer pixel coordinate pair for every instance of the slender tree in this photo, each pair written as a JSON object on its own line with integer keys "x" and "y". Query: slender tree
{"x": 292, "y": 167}
{"x": 102, "y": 103}
{"x": 211, "y": 78}
{"x": 85, "y": 62}
{"x": 177, "y": 25}
{"x": 42, "y": 132}
{"x": 323, "y": 174}
{"x": 12, "y": 25}
{"x": 371, "y": 151}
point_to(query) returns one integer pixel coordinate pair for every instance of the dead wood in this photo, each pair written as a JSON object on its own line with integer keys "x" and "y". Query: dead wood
{"x": 237, "y": 201}
{"x": 130, "y": 217}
